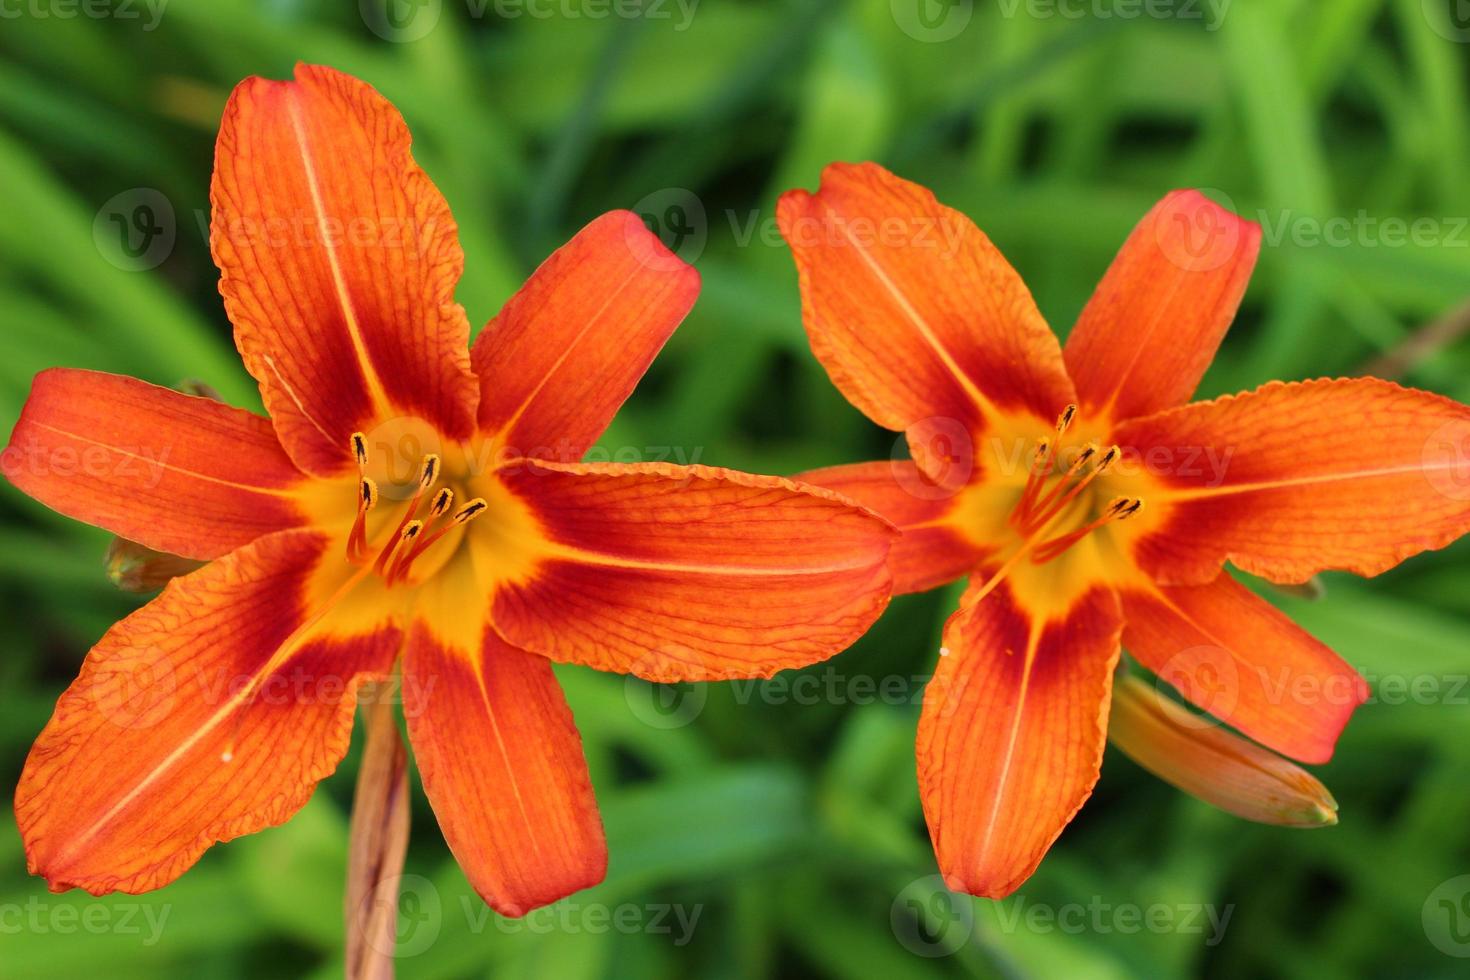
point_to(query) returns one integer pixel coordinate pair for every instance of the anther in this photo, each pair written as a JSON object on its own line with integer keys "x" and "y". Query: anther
{"x": 367, "y": 499}
{"x": 429, "y": 471}
{"x": 359, "y": 450}
{"x": 1119, "y": 509}
{"x": 1065, "y": 419}
{"x": 471, "y": 510}
{"x": 443, "y": 500}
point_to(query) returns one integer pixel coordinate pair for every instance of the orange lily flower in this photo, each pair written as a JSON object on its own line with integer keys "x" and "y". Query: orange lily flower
{"x": 1089, "y": 505}
{"x": 409, "y": 501}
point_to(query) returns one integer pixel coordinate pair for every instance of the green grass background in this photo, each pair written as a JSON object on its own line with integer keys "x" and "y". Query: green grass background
{"x": 794, "y": 829}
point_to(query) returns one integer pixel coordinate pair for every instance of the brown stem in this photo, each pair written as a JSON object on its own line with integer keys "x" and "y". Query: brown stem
{"x": 378, "y": 840}
{"x": 1422, "y": 344}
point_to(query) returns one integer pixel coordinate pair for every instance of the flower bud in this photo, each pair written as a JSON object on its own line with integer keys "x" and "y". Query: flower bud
{"x": 1213, "y": 763}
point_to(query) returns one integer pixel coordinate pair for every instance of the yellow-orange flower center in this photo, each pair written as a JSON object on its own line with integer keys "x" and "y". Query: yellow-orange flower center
{"x": 427, "y": 517}
{"x": 1036, "y": 518}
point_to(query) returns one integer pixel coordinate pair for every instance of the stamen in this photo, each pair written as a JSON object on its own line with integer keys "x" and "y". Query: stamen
{"x": 1047, "y": 507}
{"x": 403, "y": 538}
{"x": 464, "y": 515}
{"x": 367, "y": 499}
{"x": 1035, "y": 480}
{"x": 1119, "y": 509}
{"x": 428, "y": 473}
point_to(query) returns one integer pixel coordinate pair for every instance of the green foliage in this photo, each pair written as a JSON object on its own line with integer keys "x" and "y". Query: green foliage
{"x": 791, "y": 830}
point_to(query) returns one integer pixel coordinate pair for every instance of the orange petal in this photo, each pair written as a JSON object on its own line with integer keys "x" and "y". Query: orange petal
{"x": 338, "y": 261}
{"x": 173, "y": 472}
{"x": 1239, "y": 658}
{"x": 932, "y": 549}
{"x": 206, "y": 715}
{"x": 569, "y": 347}
{"x": 914, "y": 313}
{"x": 501, "y": 761}
{"x": 1213, "y": 764}
{"x": 690, "y": 572}
{"x": 1292, "y": 479}
{"x": 1155, "y": 321}
{"x": 1012, "y": 732}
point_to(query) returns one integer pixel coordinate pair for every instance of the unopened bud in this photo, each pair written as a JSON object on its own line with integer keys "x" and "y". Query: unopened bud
{"x": 1212, "y": 763}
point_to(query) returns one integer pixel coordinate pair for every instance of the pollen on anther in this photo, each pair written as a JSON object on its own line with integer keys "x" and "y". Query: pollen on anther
{"x": 367, "y": 497}
{"x": 411, "y": 530}
{"x": 442, "y": 502}
{"x": 429, "y": 474}
{"x": 470, "y": 511}
{"x": 1065, "y": 419}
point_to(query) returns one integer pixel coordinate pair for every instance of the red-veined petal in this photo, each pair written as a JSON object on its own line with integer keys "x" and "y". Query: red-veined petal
{"x": 1155, "y": 321}
{"x": 338, "y": 261}
{"x": 932, "y": 548}
{"x": 1012, "y": 733}
{"x": 174, "y": 472}
{"x": 210, "y": 713}
{"x": 500, "y": 757}
{"x": 689, "y": 572}
{"x": 570, "y": 346}
{"x": 1239, "y": 658}
{"x": 914, "y": 313}
{"x": 1292, "y": 479}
